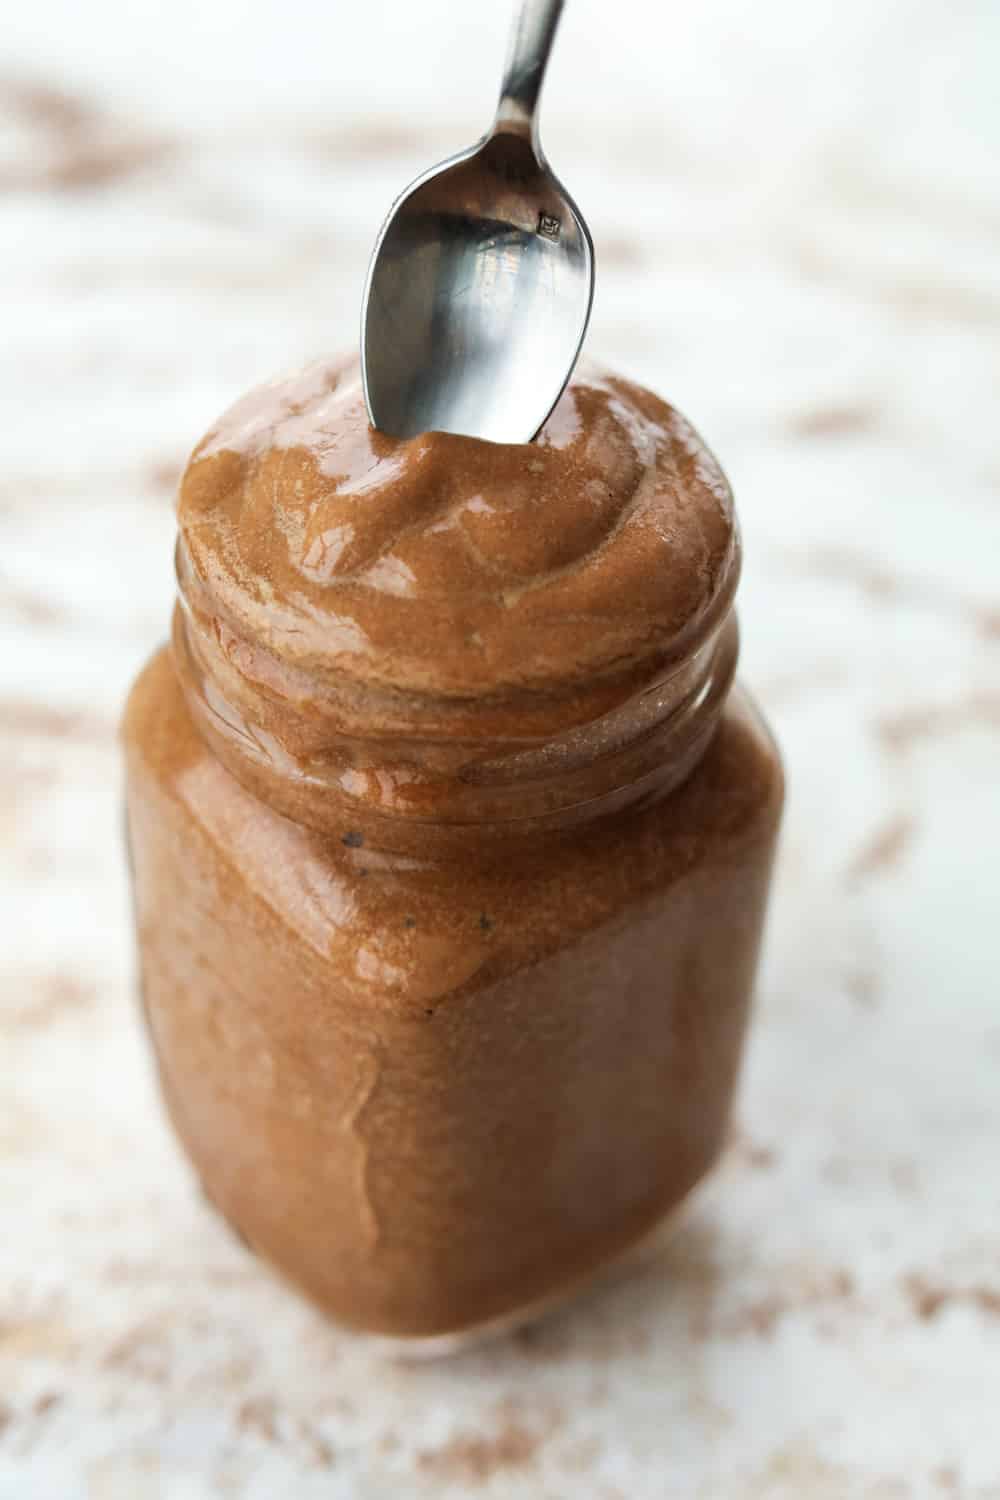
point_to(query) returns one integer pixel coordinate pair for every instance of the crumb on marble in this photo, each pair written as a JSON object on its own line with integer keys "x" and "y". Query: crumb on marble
{"x": 899, "y": 732}
{"x": 32, "y": 608}
{"x": 317, "y": 1448}
{"x": 475, "y": 1458}
{"x": 929, "y": 1297}
{"x": 620, "y": 250}
{"x": 97, "y": 163}
{"x": 47, "y": 997}
{"x": 927, "y": 1300}
{"x": 918, "y": 300}
{"x": 47, "y": 107}
{"x": 375, "y": 140}
{"x": 762, "y": 1317}
{"x": 846, "y": 565}
{"x": 751, "y": 1153}
{"x": 30, "y": 718}
{"x": 78, "y": 145}
{"x": 846, "y": 419}
{"x": 884, "y": 849}
{"x": 140, "y": 1352}
{"x": 904, "y": 1176}
{"x": 760, "y": 1157}
{"x": 163, "y": 475}
{"x": 258, "y": 1415}
{"x": 884, "y": 586}
{"x": 862, "y": 985}
{"x": 814, "y": 1288}
{"x": 22, "y": 783}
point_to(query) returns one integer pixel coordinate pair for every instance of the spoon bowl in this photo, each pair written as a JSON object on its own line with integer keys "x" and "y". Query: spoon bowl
{"x": 481, "y": 282}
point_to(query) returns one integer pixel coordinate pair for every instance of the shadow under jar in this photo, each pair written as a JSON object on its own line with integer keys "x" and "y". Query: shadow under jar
{"x": 451, "y": 840}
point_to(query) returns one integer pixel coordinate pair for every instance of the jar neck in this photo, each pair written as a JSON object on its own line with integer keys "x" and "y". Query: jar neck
{"x": 362, "y": 767}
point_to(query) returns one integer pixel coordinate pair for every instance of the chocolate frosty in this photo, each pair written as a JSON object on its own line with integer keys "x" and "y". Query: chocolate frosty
{"x": 452, "y": 843}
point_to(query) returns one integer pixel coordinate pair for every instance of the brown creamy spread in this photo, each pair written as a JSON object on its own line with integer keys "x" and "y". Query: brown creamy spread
{"x": 551, "y": 576}
{"x": 438, "y": 1080}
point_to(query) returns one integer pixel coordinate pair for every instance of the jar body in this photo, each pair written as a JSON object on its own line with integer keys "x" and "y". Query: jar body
{"x": 435, "y": 1093}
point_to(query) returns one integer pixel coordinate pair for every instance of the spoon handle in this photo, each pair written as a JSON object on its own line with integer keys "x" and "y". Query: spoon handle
{"x": 531, "y": 41}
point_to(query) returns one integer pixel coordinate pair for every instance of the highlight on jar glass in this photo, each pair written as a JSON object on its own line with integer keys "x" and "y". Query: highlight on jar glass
{"x": 451, "y": 836}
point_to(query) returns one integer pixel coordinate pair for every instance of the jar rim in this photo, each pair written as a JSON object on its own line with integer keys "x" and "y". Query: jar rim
{"x": 395, "y": 792}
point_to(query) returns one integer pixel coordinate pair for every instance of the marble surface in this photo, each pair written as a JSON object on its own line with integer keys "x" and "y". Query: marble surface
{"x": 797, "y": 219}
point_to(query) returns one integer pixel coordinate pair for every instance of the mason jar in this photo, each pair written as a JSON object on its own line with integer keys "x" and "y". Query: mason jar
{"x": 449, "y": 904}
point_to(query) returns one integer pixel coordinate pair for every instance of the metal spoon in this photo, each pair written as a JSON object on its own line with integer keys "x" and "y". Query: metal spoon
{"x": 482, "y": 277}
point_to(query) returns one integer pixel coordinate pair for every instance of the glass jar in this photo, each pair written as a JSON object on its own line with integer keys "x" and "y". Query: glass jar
{"x": 448, "y": 1015}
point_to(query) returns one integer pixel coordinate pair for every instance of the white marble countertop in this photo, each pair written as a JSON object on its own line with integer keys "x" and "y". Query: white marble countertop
{"x": 797, "y": 217}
